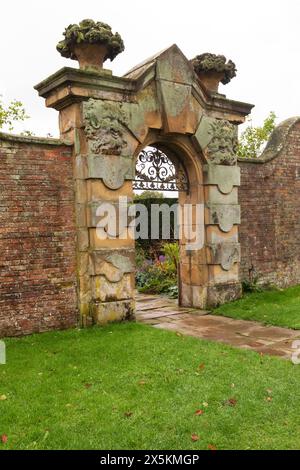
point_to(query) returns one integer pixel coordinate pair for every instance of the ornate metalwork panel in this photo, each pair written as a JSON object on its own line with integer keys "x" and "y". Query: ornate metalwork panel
{"x": 155, "y": 171}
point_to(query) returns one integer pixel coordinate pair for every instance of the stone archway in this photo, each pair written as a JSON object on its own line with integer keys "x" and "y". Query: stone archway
{"x": 109, "y": 120}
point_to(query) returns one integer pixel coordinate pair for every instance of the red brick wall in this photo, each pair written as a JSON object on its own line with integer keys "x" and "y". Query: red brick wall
{"x": 37, "y": 237}
{"x": 270, "y": 203}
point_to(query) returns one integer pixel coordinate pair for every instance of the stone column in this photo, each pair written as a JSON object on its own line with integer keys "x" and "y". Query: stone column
{"x": 218, "y": 140}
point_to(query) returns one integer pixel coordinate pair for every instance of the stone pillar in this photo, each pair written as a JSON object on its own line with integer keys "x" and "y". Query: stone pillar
{"x": 104, "y": 166}
{"x": 218, "y": 140}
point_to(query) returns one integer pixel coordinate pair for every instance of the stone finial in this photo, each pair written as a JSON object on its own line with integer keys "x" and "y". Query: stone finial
{"x": 91, "y": 43}
{"x": 213, "y": 69}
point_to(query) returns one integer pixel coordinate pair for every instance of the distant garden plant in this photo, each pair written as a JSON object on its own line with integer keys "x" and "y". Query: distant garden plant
{"x": 11, "y": 113}
{"x": 90, "y": 32}
{"x": 158, "y": 276}
{"x": 254, "y": 139}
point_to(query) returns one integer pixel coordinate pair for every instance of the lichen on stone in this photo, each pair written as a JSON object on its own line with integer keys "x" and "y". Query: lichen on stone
{"x": 90, "y": 32}
{"x": 214, "y": 63}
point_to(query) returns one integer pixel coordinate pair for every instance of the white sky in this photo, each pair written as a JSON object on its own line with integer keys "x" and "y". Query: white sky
{"x": 260, "y": 36}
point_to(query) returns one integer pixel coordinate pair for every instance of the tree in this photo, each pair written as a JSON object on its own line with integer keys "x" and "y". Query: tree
{"x": 10, "y": 113}
{"x": 253, "y": 139}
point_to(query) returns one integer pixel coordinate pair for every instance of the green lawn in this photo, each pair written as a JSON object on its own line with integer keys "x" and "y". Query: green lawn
{"x": 273, "y": 307}
{"x": 130, "y": 386}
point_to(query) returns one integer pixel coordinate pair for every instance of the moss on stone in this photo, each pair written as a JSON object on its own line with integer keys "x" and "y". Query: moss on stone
{"x": 214, "y": 63}
{"x": 90, "y": 32}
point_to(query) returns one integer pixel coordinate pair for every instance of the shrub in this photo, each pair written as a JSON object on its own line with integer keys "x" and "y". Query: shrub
{"x": 158, "y": 276}
{"x": 253, "y": 139}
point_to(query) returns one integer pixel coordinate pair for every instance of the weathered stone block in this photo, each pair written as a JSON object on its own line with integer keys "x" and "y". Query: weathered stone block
{"x": 82, "y": 239}
{"x": 106, "y": 128}
{"x": 214, "y": 196}
{"x": 112, "y": 169}
{"x": 108, "y": 312}
{"x": 193, "y": 274}
{"x": 81, "y": 220}
{"x": 81, "y": 167}
{"x": 96, "y": 190}
{"x": 124, "y": 241}
{"x": 218, "y": 139}
{"x": 173, "y": 66}
{"x": 112, "y": 264}
{"x": 226, "y": 216}
{"x": 115, "y": 213}
{"x": 217, "y": 275}
{"x": 106, "y": 291}
{"x": 225, "y": 177}
{"x": 225, "y": 254}
{"x": 223, "y": 293}
{"x": 176, "y": 99}
{"x": 199, "y": 295}
{"x": 215, "y": 235}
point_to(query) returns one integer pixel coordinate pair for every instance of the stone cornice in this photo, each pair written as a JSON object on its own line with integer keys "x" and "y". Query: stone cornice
{"x": 71, "y": 82}
{"x": 69, "y": 85}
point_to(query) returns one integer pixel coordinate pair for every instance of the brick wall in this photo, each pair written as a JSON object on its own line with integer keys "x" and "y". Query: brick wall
{"x": 37, "y": 236}
{"x": 270, "y": 202}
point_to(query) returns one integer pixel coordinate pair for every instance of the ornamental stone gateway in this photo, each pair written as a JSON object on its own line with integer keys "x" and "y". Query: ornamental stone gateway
{"x": 167, "y": 102}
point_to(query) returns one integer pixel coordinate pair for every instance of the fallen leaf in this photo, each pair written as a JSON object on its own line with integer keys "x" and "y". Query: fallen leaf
{"x": 199, "y": 412}
{"x": 128, "y": 414}
{"x": 205, "y": 404}
{"x": 269, "y": 398}
{"x": 269, "y": 391}
{"x": 211, "y": 447}
{"x": 195, "y": 437}
{"x": 142, "y": 382}
{"x": 230, "y": 402}
{"x": 178, "y": 334}
{"x": 4, "y": 438}
{"x": 201, "y": 366}
{"x": 3, "y": 397}
{"x": 232, "y": 385}
{"x": 87, "y": 385}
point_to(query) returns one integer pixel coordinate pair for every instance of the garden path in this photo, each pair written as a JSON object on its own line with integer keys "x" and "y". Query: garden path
{"x": 162, "y": 312}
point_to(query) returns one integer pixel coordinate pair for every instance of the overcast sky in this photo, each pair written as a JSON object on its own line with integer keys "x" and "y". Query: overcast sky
{"x": 260, "y": 36}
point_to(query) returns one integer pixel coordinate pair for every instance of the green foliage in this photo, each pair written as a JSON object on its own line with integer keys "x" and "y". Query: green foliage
{"x": 27, "y": 133}
{"x": 11, "y": 113}
{"x": 251, "y": 286}
{"x": 90, "y": 32}
{"x": 253, "y": 139}
{"x": 158, "y": 276}
{"x": 148, "y": 195}
{"x": 171, "y": 251}
{"x": 148, "y": 198}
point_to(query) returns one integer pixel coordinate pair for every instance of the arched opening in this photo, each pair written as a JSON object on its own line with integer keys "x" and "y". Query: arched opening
{"x": 167, "y": 180}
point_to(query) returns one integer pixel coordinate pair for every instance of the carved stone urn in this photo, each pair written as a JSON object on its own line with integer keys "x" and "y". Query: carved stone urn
{"x": 212, "y": 70}
{"x": 91, "y": 43}
{"x": 90, "y": 55}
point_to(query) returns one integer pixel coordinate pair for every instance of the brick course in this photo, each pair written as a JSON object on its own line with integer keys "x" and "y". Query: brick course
{"x": 37, "y": 237}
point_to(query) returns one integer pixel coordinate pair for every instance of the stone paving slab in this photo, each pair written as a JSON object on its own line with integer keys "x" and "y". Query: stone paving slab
{"x": 166, "y": 314}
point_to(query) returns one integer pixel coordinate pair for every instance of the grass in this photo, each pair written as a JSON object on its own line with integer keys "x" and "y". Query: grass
{"x": 272, "y": 307}
{"x": 131, "y": 386}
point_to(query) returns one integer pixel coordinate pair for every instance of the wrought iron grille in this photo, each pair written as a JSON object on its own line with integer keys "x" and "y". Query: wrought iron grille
{"x": 155, "y": 171}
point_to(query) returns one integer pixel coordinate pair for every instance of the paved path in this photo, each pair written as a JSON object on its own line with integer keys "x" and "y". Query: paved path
{"x": 162, "y": 312}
